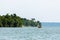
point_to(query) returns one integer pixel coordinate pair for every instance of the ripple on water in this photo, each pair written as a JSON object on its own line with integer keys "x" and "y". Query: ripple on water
{"x": 31, "y": 33}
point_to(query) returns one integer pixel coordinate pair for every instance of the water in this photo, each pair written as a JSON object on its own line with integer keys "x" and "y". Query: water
{"x": 51, "y": 24}
{"x": 30, "y": 33}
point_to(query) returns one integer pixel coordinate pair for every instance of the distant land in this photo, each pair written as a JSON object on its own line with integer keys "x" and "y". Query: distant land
{"x": 15, "y": 21}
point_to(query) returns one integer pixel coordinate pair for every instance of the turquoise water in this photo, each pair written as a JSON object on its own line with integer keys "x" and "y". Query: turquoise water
{"x": 51, "y": 24}
{"x": 30, "y": 33}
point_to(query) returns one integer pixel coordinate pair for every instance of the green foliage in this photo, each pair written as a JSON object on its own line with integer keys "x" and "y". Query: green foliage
{"x": 31, "y": 22}
{"x": 10, "y": 21}
{"x": 15, "y": 21}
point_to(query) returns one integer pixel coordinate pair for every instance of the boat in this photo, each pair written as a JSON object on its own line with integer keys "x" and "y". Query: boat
{"x": 39, "y": 26}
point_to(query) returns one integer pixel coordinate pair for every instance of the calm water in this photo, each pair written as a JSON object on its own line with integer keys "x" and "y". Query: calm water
{"x": 30, "y": 33}
{"x": 52, "y": 33}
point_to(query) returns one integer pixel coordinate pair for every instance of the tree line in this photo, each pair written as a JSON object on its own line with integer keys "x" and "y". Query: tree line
{"x": 15, "y": 21}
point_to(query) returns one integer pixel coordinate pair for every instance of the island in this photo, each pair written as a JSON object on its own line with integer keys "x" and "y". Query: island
{"x": 13, "y": 20}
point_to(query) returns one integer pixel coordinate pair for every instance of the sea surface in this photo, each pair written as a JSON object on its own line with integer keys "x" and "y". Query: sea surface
{"x": 31, "y": 33}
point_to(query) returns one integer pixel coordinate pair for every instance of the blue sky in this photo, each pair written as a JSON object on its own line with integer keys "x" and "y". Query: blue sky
{"x": 43, "y": 10}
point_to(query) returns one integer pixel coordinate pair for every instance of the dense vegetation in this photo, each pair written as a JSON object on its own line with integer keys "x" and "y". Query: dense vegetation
{"x": 15, "y": 21}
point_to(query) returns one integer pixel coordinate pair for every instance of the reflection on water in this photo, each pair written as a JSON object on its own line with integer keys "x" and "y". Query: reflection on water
{"x": 30, "y": 33}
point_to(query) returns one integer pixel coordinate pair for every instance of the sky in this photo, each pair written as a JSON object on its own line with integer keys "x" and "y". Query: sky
{"x": 42, "y": 10}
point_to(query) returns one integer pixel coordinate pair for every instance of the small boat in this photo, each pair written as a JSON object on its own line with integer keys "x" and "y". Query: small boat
{"x": 39, "y": 26}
